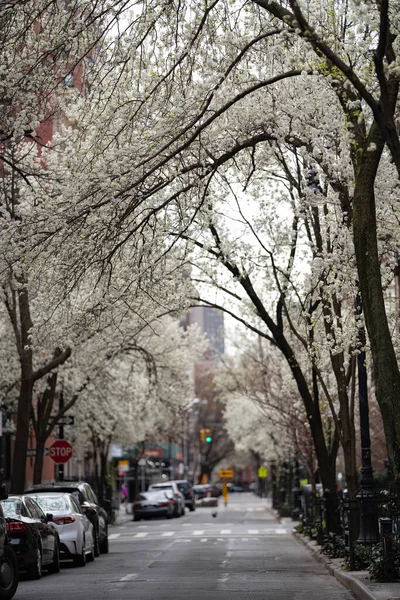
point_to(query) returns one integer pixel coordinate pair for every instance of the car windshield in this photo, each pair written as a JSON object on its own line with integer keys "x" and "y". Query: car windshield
{"x": 52, "y": 504}
{"x": 152, "y": 496}
{"x": 161, "y": 486}
{"x": 11, "y": 507}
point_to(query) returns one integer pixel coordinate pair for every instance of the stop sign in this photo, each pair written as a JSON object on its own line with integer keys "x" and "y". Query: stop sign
{"x": 60, "y": 451}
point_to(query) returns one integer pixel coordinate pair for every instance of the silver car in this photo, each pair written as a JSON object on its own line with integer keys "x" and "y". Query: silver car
{"x": 177, "y": 496}
{"x": 74, "y": 528}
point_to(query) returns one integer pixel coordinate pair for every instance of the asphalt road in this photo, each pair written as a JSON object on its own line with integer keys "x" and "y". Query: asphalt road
{"x": 242, "y": 553}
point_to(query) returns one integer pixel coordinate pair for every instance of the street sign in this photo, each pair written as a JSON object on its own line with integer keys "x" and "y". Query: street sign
{"x": 66, "y": 420}
{"x": 60, "y": 451}
{"x": 32, "y": 452}
{"x": 123, "y": 466}
{"x": 262, "y": 472}
{"x": 226, "y": 473}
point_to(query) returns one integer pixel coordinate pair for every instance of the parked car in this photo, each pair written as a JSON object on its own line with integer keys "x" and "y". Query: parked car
{"x": 153, "y": 504}
{"x": 177, "y": 495}
{"x": 9, "y": 572}
{"x": 186, "y": 489}
{"x": 75, "y": 530}
{"x": 87, "y": 499}
{"x": 34, "y": 540}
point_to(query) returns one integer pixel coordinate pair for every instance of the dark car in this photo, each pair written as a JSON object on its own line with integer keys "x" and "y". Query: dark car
{"x": 34, "y": 540}
{"x": 86, "y": 497}
{"x": 186, "y": 489}
{"x": 9, "y": 572}
{"x": 206, "y": 490}
{"x": 152, "y": 504}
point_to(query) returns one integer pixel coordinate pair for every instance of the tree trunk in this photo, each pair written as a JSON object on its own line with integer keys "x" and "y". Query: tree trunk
{"x": 386, "y": 369}
{"x": 17, "y": 484}
{"x": 38, "y": 468}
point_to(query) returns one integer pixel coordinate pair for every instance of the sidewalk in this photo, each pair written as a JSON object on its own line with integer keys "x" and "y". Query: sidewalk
{"x": 122, "y": 516}
{"x": 358, "y": 582}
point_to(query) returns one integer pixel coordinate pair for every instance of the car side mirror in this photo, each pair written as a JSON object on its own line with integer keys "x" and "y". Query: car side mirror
{"x": 3, "y": 492}
{"x": 90, "y": 513}
{"x": 48, "y": 518}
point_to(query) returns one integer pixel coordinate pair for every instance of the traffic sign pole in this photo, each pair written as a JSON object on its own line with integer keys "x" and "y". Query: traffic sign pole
{"x": 61, "y": 434}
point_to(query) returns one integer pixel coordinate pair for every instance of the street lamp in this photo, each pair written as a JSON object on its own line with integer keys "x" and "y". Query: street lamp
{"x": 369, "y": 533}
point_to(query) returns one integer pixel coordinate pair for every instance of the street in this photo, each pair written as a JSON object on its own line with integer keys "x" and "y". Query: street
{"x": 242, "y": 553}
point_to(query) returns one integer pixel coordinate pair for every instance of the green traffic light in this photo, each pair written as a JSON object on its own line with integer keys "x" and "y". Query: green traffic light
{"x": 208, "y": 439}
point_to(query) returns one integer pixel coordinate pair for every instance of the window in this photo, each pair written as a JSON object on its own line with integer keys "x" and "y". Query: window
{"x": 75, "y": 505}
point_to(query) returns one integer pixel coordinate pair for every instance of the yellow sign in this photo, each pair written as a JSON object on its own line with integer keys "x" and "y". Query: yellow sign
{"x": 123, "y": 466}
{"x": 226, "y": 473}
{"x": 262, "y": 472}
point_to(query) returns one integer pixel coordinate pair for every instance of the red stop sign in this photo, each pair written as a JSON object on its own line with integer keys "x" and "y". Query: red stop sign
{"x": 60, "y": 451}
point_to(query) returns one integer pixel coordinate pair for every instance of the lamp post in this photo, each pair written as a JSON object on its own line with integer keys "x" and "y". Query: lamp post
{"x": 369, "y": 533}
{"x": 296, "y": 492}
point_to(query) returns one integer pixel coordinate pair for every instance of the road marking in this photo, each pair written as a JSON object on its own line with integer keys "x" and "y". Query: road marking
{"x": 225, "y": 531}
{"x": 253, "y": 531}
{"x": 220, "y": 539}
{"x": 141, "y": 534}
{"x": 198, "y": 532}
{"x": 203, "y": 539}
{"x": 168, "y": 533}
{"x": 129, "y": 577}
{"x": 280, "y": 531}
{"x": 114, "y": 536}
{"x": 245, "y": 539}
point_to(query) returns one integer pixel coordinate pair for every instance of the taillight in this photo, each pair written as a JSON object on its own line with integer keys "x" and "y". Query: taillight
{"x": 176, "y": 495}
{"x": 137, "y": 506}
{"x": 164, "y": 504}
{"x": 15, "y": 527}
{"x": 189, "y": 493}
{"x": 63, "y": 520}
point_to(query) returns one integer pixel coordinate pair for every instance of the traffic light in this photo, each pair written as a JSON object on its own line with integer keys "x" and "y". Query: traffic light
{"x": 205, "y": 435}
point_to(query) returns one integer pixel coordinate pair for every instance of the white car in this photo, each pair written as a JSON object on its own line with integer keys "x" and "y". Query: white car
{"x": 73, "y": 527}
{"x": 177, "y": 497}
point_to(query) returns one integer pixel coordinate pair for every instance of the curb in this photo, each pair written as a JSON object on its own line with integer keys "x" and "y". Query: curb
{"x": 349, "y": 581}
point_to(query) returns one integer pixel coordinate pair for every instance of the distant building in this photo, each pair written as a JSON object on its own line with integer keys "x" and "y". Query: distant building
{"x": 211, "y": 322}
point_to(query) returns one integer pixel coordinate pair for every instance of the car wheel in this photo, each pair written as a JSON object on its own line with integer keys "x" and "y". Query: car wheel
{"x": 8, "y": 574}
{"x": 80, "y": 559}
{"x": 96, "y": 544}
{"x": 55, "y": 565}
{"x": 35, "y": 570}
{"x": 183, "y": 511}
{"x": 192, "y": 507}
{"x": 104, "y": 545}
{"x": 136, "y": 518}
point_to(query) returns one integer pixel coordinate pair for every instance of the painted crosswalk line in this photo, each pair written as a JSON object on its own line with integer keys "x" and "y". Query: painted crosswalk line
{"x": 141, "y": 534}
{"x": 129, "y": 577}
{"x": 198, "y": 532}
{"x": 113, "y": 536}
{"x": 168, "y": 533}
